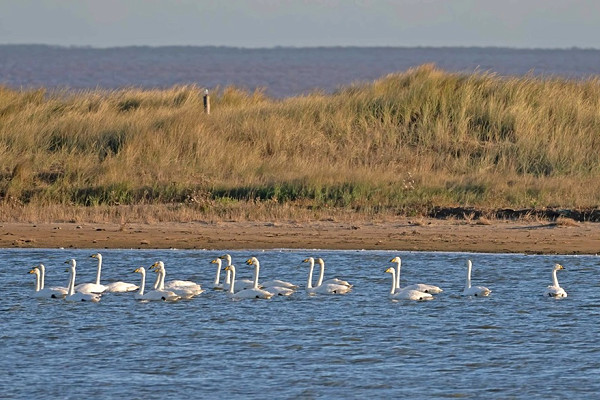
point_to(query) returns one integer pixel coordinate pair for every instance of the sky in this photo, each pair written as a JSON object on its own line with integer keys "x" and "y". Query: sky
{"x": 302, "y": 23}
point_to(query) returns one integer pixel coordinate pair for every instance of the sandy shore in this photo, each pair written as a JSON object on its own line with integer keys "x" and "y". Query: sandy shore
{"x": 402, "y": 234}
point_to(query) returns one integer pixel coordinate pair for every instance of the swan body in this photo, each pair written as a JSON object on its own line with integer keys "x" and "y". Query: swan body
{"x": 254, "y": 293}
{"x": 46, "y": 293}
{"x": 78, "y": 296}
{"x": 94, "y": 287}
{"x": 474, "y": 290}
{"x": 555, "y": 290}
{"x": 153, "y": 295}
{"x": 334, "y": 281}
{"x": 241, "y": 284}
{"x": 275, "y": 287}
{"x": 326, "y": 288}
{"x": 114, "y": 287}
{"x": 184, "y": 289}
{"x": 405, "y": 293}
{"x": 421, "y": 287}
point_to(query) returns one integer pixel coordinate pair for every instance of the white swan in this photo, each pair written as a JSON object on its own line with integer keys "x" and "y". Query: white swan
{"x": 421, "y": 287}
{"x": 253, "y": 293}
{"x": 241, "y": 284}
{"x": 217, "y": 285}
{"x": 77, "y": 296}
{"x": 185, "y": 289}
{"x": 60, "y": 289}
{"x": 328, "y": 288}
{"x": 285, "y": 289}
{"x": 45, "y": 293}
{"x": 114, "y": 287}
{"x": 92, "y": 287}
{"x": 405, "y": 293}
{"x": 555, "y": 290}
{"x": 474, "y": 290}
{"x": 155, "y": 295}
{"x": 335, "y": 281}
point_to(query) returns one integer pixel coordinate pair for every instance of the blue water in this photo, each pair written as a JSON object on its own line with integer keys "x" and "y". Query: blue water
{"x": 281, "y": 72}
{"x": 514, "y": 344}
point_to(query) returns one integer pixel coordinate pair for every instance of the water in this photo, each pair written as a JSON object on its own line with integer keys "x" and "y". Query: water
{"x": 282, "y": 72}
{"x": 514, "y": 344}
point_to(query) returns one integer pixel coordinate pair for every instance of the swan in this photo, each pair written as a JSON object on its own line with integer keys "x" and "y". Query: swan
{"x": 421, "y": 287}
{"x": 78, "y": 296}
{"x": 327, "y": 288}
{"x": 474, "y": 290}
{"x": 42, "y": 269}
{"x": 45, "y": 293}
{"x": 335, "y": 281}
{"x": 241, "y": 283}
{"x": 114, "y": 287}
{"x": 185, "y": 289}
{"x": 270, "y": 286}
{"x": 217, "y": 285}
{"x": 555, "y": 290}
{"x": 253, "y": 293}
{"x": 405, "y": 293}
{"x": 153, "y": 294}
{"x": 92, "y": 287}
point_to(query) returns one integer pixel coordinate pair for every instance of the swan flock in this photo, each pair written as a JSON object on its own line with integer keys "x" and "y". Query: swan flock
{"x": 238, "y": 289}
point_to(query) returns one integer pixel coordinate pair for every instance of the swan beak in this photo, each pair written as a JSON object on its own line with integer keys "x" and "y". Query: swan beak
{"x": 94, "y": 256}
{"x": 249, "y": 261}
{"x": 214, "y": 261}
{"x": 389, "y": 270}
{"x": 32, "y": 271}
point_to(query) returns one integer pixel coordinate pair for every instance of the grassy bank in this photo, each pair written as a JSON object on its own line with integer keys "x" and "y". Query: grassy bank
{"x": 401, "y": 145}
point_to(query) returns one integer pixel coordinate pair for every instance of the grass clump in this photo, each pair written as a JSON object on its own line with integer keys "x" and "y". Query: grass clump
{"x": 403, "y": 144}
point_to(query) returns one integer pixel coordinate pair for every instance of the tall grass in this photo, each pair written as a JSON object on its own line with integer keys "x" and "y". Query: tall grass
{"x": 402, "y": 144}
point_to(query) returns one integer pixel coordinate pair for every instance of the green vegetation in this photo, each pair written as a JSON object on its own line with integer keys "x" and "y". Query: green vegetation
{"x": 401, "y": 145}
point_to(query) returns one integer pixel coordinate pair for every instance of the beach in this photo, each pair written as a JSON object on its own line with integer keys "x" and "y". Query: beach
{"x": 402, "y": 234}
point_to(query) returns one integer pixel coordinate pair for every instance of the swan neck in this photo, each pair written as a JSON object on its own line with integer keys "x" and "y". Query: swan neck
{"x": 71, "y": 290}
{"x": 554, "y": 278}
{"x": 163, "y": 273}
{"x": 37, "y": 281}
{"x": 98, "y": 271}
{"x": 231, "y": 289}
{"x": 218, "y": 277}
{"x": 228, "y": 278}
{"x": 321, "y": 273}
{"x": 397, "y": 277}
{"x": 468, "y": 283}
{"x": 143, "y": 284}
{"x": 310, "y": 275}
{"x": 157, "y": 281}
{"x": 256, "y": 272}
{"x": 43, "y": 277}
{"x": 394, "y": 286}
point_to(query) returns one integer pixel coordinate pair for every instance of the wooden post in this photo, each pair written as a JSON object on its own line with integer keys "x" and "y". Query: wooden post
{"x": 206, "y": 102}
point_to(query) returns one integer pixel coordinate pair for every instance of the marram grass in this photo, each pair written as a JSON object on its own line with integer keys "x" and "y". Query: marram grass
{"x": 400, "y": 145}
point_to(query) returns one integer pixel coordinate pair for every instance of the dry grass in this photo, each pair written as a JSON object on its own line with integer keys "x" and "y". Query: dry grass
{"x": 401, "y": 145}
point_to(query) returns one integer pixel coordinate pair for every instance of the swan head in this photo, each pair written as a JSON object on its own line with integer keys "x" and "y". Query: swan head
{"x": 226, "y": 257}
{"x": 71, "y": 262}
{"x": 252, "y": 260}
{"x": 42, "y": 267}
{"x": 469, "y": 263}
{"x": 309, "y": 260}
{"x": 230, "y": 268}
{"x": 158, "y": 266}
{"x": 216, "y": 261}
{"x": 35, "y": 270}
{"x": 558, "y": 266}
{"x": 390, "y": 270}
{"x": 140, "y": 270}
{"x": 320, "y": 261}
{"x": 395, "y": 259}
